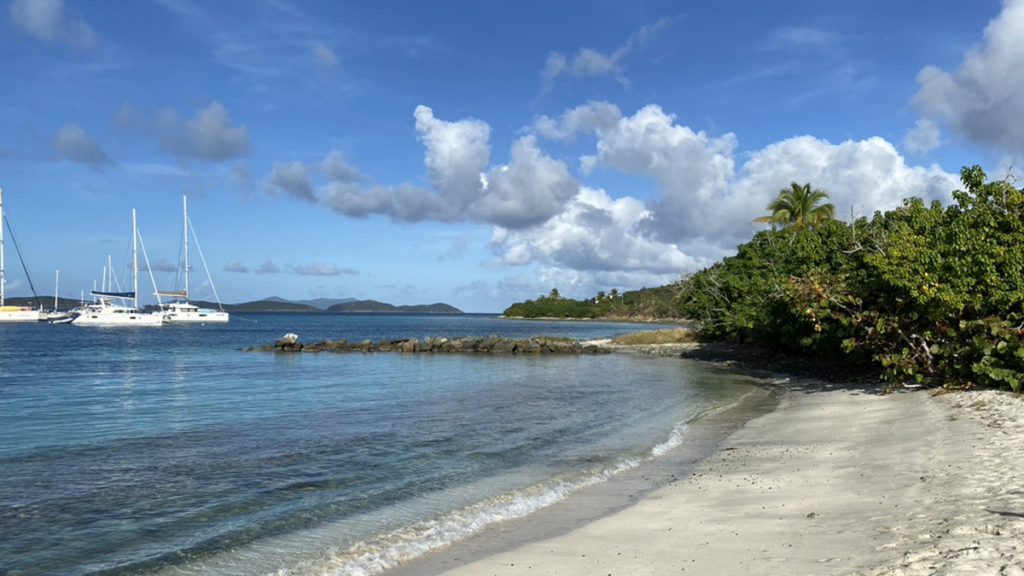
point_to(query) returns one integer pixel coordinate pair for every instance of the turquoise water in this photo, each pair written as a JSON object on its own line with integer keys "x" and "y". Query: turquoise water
{"x": 169, "y": 450}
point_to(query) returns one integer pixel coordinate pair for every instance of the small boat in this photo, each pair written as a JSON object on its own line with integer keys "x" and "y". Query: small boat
{"x": 12, "y": 313}
{"x": 104, "y": 312}
{"x": 58, "y": 316}
{"x": 182, "y": 311}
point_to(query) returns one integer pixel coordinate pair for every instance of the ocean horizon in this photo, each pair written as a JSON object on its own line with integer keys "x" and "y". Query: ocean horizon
{"x": 171, "y": 450}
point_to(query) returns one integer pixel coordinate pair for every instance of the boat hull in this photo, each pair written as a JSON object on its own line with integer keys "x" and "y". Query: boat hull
{"x": 19, "y": 314}
{"x": 110, "y": 318}
{"x": 198, "y": 318}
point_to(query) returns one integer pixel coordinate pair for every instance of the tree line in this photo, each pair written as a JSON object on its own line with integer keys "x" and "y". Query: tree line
{"x": 923, "y": 293}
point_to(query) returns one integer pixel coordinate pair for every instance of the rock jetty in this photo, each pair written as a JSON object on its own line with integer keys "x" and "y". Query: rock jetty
{"x": 464, "y": 345}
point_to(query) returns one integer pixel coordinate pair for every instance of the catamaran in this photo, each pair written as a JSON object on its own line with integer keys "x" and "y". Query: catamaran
{"x": 12, "y": 313}
{"x": 104, "y": 312}
{"x": 182, "y": 311}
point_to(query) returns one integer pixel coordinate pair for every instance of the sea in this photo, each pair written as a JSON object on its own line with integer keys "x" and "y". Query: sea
{"x": 172, "y": 450}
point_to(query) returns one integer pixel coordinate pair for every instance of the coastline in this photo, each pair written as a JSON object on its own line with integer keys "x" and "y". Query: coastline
{"x": 837, "y": 479}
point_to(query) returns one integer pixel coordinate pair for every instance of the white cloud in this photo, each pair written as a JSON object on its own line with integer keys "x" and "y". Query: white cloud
{"x": 73, "y": 143}
{"x": 208, "y": 135}
{"x": 292, "y": 179}
{"x": 268, "y": 267}
{"x": 338, "y": 169}
{"x": 588, "y": 62}
{"x": 46, "y": 20}
{"x": 325, "y": 57}
{"x": 318, "y": 269}
{"x": 595, "y": 233}
{"x": 859, "y": 175}
{"x": 236, "y": 266}
{"x": 531, "y": 188}
{"x": 706, "y": 198}
{"x": 923, "y": 137}
{"x": 456, "y": 154}
{"x": 586, "y": 119}
{"x": 984, "y": 97}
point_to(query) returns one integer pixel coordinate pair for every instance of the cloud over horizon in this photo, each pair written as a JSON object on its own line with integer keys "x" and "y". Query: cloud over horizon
{"x": 209, "y": 135}
{"x": 978, "y": 99}
{"x": 705, "y": 203}
{"x": 73, "y": 143}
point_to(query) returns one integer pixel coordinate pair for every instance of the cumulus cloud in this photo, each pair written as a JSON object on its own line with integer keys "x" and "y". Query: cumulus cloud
{"x": 292, "y": 179}
{"x": 338, "y": 169}
{"x": 456, "y": 154}
{"x": 706, "y": 198}
{"x": 318, "y": 269}
{"x": 209, "y": 135}
{"x": 923, "y": 137}
{"x": 236, "y": 266}
{"x": 588, "y": 118}
{"x": 528, "y": 190}
{"x": 325, "y": 57}
{"x": 860, "y": 175}
{"x": 47, "y": 20}
{"x": 595, "y": 233}
{"x": 268, "y": 267}
{"x": 588, "y": 62}
{"x": 982, "y": 98}
{"x": 73, "y": 143}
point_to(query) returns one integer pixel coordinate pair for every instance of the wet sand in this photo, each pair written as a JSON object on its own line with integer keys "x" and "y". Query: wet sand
{"x": 836, "y": 480}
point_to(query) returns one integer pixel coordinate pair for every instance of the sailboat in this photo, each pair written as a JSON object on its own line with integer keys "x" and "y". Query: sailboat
{"x": 182, "y": 311}
{"x": 12, "y": 313}
{"x": 104, "y": 312}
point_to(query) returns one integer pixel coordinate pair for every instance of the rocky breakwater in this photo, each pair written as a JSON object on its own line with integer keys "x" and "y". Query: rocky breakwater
{"x": 463, "y": 345}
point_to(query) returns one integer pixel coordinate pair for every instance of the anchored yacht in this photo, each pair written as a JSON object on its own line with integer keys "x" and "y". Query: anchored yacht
{"x": 104, "y": 312}
{"x": 182, "y": 311}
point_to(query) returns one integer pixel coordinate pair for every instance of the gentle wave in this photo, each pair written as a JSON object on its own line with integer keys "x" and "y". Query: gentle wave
{"x": 399, "y": 546}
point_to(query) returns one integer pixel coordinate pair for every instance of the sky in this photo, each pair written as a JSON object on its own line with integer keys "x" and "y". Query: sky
{"x": 476, "y": 153}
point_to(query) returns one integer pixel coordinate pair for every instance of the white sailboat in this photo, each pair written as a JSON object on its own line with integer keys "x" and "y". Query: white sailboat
{"x": 182, "y": 311}
{"x": 104, "y": 312}
{"x": 12, "y": 313}
{"x": 58, "y": 316}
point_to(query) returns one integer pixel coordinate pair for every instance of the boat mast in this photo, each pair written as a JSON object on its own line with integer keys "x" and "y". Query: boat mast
{"x": 135, "y": 260}
{"x": 184, "y": 203}
{"x": 3, "y": 279}
{"x": 56, "y": 290}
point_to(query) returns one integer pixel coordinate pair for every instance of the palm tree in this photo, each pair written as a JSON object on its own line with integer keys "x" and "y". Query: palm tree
{"x": 798, "y": 206}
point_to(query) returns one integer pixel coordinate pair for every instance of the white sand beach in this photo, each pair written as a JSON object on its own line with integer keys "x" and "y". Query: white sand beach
{"x": 834, "y": 481}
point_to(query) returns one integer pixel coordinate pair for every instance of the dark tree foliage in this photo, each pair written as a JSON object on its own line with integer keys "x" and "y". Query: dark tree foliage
{"x": 647, "y": 303}
{"x": 927, "y": 294}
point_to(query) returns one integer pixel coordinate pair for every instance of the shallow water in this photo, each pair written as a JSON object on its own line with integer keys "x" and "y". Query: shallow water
{"x": 170, "y": 450}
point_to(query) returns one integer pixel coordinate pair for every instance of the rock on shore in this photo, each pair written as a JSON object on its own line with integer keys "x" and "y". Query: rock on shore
{"x": 464, "y": 345}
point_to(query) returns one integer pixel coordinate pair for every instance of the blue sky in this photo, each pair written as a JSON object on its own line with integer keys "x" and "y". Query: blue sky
{"x": 478, "y": 153}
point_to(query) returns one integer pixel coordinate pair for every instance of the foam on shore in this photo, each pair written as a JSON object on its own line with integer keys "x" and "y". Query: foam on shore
{"x": 836, "y": 481}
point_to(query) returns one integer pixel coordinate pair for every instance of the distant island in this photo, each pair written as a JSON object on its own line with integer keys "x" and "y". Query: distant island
{"x": 335, "y": 306}
{"x": 646, "y": 304}
{"x": 277, "y": 304}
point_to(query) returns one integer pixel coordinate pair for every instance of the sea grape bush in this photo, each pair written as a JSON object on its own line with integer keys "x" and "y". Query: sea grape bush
{"x": 925, "y": 293}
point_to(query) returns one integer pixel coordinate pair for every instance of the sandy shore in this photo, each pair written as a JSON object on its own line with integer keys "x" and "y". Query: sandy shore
{"x": 835, "y": 481}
